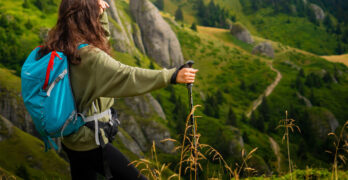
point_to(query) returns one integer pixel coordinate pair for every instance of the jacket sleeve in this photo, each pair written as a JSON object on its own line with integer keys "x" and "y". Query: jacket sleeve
{"x": 114, "y": 79}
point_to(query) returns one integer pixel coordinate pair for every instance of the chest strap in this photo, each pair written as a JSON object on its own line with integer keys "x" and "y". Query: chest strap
{"x": 95, "y": 118}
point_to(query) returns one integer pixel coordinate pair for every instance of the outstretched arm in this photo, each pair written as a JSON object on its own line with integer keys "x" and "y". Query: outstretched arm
{"x": 114, "y": 79}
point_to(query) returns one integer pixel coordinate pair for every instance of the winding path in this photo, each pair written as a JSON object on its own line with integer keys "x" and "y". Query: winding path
{"x": 268, "y": 91}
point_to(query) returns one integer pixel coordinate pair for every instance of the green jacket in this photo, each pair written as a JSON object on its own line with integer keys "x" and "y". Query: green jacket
{"x": 99, "y": 78}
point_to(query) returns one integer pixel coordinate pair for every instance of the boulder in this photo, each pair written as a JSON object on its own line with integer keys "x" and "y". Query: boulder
{"x": 322, "y": 122}
{"x": 236, "y": 144}
{"x": 145, "y": 106}
{"x": 129, "y": 143}
{"x": 157, "y": 132}
{"x": 264, "y": 48}
{"x": 129, "y": 124}
{"x": 160, "y": 42}
{"x": 318, "y": 11}
{"x": 241, "y": 33}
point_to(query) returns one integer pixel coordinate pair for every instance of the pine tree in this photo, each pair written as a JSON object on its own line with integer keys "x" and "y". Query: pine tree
{"x": 301, "y": 73}
{"x": 345, "y": 35}
{"x": 299, "y": 85}
{"x": 231, "y": 118}
{"x": 244, "y": 119}
{"x": 194, "y": 26}
{"x": 339, "y": 49}
{"x": 242, "y": 85}
{"x": 327, "y": 77}
{"x": 28, "y": 24}
{"x": 160, "y": 4}
{"x": 338, "y": 29}
{"x": 219, "y": 97}
{"x": 39, "y": 4}
{"x": 179, "y": 14}
{"x": 211, "y": 107}
{"x": 264, "y": 110}
{"x": 200, "y": 8}
{"x": 245, "y": 137}
{"x": 328, "y": 23}
{"x": 25, "y": 4}
{"x": 257, "y": 122}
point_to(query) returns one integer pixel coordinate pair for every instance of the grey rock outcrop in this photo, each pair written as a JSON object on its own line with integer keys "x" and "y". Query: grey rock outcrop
{"x": 5, "y": 128}
{"x": 118, "y": 33}
{"x": 145, "y": 105}
{"x": 13, "y": 109}
{"x": 241, "y": 33}
{"x": 129, "y": 143}
{"x": 236, "y": 144}
{"x": 157, "y": 132}
{"x": 322, "y": 122}
{"x": 318, "y": 11}
{"x": 160, "y": 42}
{"x": 264, "y": 48}
{"x": 129, "y": 124}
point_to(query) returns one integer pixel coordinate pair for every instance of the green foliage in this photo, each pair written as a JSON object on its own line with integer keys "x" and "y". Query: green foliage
{"x": 179, "y": 16}
{"x": 159, "y": 4}
{"x": 212, "y": 14}
{"x": 22, "y": 172}
{"x": 194, "y": 26}
{"x": 231, "y": 118}
{"x": 47, "y": 6}
{"x": 24, "y": 155}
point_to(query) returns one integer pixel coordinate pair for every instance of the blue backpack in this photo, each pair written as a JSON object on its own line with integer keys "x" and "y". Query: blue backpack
{"x": 48, "y": 96}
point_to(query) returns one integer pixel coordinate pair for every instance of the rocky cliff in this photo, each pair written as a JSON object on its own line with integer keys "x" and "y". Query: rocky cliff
{"x": 160, "y": 42}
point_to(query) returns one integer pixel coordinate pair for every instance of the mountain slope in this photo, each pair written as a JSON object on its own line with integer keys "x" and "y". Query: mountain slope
{"x": 230, "y": 78}
{"x": 292, "y": 23}
{"x": 23, "y": 155}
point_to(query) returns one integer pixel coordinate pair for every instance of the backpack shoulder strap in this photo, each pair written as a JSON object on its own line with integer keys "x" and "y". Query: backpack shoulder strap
{"x": 81, "y": 46}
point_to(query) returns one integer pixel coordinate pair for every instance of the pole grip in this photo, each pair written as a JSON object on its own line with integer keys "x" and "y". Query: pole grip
{"x": 189, "y": 64}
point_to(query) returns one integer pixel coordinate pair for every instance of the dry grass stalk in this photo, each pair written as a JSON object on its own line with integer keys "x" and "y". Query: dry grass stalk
{"x": 152, "y": 168}
{"x": 338, "y": 147}
{"x": 288, "y": 124}
{"x": 191, "y": 154}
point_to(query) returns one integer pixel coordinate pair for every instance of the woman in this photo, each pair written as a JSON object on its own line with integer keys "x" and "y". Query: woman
{"x": 96, "y": 79}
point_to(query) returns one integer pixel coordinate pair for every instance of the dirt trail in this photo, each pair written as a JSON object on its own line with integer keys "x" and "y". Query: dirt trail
{"x": 267, "y": 92}
{"x": 276, "y": 150}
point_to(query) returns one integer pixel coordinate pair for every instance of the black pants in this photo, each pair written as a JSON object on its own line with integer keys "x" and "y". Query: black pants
{"x": 85, "y": 165}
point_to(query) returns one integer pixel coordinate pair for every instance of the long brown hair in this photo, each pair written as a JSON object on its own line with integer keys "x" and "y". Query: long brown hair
{"x": 78, "y": 22}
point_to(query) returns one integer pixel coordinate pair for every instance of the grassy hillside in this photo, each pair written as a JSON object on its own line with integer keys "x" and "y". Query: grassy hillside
{"x": 278, "y": 25}
{"x": 339, "y": 58}
{"x": 23, "y": 155}
{"x": 22, "y": 28}
{"x": 229, "y": 77}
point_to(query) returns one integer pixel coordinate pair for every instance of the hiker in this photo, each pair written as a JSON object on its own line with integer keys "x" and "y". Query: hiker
{"x": 82, "y": 34}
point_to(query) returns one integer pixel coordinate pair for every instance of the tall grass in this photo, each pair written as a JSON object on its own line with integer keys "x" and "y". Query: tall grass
{"x": 152, "y": 168}
{"x": 288, "y": 124}
{"x": 338, "y": 148}
{"x": 192, "y": 153}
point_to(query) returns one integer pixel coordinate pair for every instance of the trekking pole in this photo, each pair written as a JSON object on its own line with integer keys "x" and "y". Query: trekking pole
{"x": 189, "y": 64}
